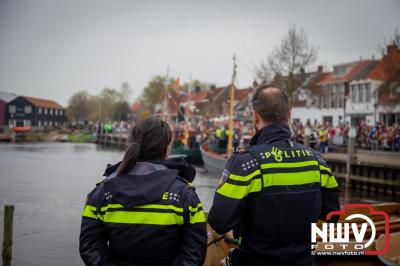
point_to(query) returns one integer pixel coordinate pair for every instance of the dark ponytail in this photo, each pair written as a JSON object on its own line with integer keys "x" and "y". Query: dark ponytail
{"x": 149, "y": 140}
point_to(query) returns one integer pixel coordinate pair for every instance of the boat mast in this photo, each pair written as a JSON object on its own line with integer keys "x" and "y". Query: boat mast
{"x": 187, "y": 113}
{"x": 229, "y": 148}
{"x": 165, "y": 100}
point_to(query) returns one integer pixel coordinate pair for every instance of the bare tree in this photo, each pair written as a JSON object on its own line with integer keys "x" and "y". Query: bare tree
{"x": 264, "y": 73}
{"x": 288, "y": 59}
{"x": 394, "y": 39}
{"x": 293, "y": 54}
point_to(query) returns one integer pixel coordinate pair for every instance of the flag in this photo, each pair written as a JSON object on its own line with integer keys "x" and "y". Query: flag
{"x": 175, "y": 84}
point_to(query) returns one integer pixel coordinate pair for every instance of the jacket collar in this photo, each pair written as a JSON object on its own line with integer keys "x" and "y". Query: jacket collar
{"x": 272, "y": 133}
{"x": 186, "y": 170}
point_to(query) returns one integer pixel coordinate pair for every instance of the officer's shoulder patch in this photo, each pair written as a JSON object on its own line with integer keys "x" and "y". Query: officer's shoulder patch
{"x": 224, "y": 176}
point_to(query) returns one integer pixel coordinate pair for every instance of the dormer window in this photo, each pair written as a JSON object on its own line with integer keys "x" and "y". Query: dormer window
{"x": 339, "y": 70}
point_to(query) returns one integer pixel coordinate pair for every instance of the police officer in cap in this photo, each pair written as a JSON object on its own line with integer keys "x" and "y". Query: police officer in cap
{"x": 273, "y": 190}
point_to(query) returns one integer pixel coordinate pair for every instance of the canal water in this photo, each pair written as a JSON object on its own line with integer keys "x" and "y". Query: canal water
{"x": 48, "y": 183}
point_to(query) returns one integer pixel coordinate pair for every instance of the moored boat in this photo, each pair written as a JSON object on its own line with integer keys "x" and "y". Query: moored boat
{"x": 191, "y": 154}
{"x": 218, "y": 246}
{"x": 21, "y": 129}
{"x": 214, "y": 162}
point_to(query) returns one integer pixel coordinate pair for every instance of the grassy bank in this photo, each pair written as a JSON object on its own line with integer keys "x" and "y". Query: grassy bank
{"x": 35, "y": 137}
{"x": 80, "y": 137}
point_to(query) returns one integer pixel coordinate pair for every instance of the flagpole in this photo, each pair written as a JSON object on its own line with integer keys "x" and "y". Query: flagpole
{"x": 229, "y": 148}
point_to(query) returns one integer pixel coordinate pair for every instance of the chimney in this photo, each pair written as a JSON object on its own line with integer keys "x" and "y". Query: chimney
{"x": 320, "y": 69}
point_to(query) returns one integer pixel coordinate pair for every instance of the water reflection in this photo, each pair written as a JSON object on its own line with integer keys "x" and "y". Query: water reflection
{"x": 48, "y": 183}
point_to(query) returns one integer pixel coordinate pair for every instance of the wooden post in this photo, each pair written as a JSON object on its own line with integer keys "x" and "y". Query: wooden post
{"x": 350, "y": 154}
{"x": 307, "y": 136}
{"x": 7, "y": 234}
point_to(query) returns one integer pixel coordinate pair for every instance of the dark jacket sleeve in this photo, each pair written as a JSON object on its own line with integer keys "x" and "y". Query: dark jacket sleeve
{"x": 329, "y": 189}
{"x": 240, "y": 177}
{"x": 194, "y": 233}
{"x": 93, "y": 238}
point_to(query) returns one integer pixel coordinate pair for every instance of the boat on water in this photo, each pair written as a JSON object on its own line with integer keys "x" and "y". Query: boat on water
{"x": 191, "y": 153}
{"x": 215, "y": 157}
{"x": 214, "y": 162}
{"x": 21, "y": 129}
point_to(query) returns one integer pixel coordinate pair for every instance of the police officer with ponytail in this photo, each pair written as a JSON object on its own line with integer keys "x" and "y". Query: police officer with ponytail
{"x": 273, "y": 190}
{"x": 145, "y": 212}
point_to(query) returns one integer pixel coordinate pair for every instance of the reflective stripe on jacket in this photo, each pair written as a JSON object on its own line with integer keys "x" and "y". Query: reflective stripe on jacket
{"x": 150, "y": 216}
{"x": 270, "y": 195}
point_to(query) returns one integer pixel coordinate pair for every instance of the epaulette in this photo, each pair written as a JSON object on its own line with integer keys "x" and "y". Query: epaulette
{"x": 101, "y": 182}
{"x": 242, "y": 150}
{"x": 189, "y": 184}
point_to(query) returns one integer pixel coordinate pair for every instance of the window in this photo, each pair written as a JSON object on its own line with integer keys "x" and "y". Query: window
{"x": 332, "y": 96}
{"x": 368, "y": 92}
{"x": 39, "y": 123}
{"x": 56, "y": 112}
{"x": 28, "y": 109}
{"x": 40, "y": 110}
{"x": 45, "y": 111}
{"x": 361, "y": 89}
{"x": 12, "y": 109}
{"x": 51, "y": 111}
{"x": 340, "y": 97}
{"x": 339, "y": 70}
{"x": 61, "y": 112}
{"x": 353, "y": 93}
{"x": 393, "y": 90}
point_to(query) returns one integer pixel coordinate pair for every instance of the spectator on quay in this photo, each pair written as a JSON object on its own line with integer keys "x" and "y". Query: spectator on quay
{"x": 323, "y": 139}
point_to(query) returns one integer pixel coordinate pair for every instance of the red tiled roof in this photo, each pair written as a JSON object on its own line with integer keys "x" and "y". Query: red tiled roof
{"x": 198, "y": 96}
{"x": 242, "y": 93}
{"x": 298, "y": 103}
{"x": 195, "y": 96}
{"x": 313, "y": 85}
{"x": 357, "y": 69}
{"x": 379, "y": 72}
{"x": 43, "y": 103}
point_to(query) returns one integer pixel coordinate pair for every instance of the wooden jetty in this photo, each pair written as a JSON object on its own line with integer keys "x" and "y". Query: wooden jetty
{"x": 117, "y": 140}
{"x": 371, "y": 171}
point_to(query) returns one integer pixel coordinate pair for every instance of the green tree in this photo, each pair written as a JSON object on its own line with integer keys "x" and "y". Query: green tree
{"x": 78, "y": 107}
{"x": 153, "y": 93}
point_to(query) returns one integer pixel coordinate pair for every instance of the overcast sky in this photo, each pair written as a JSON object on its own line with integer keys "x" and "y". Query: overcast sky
{"x": 51, "y": 48}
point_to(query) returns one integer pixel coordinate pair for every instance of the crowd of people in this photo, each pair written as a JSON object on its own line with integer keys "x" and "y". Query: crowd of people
{"x": 322, "y": 136}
